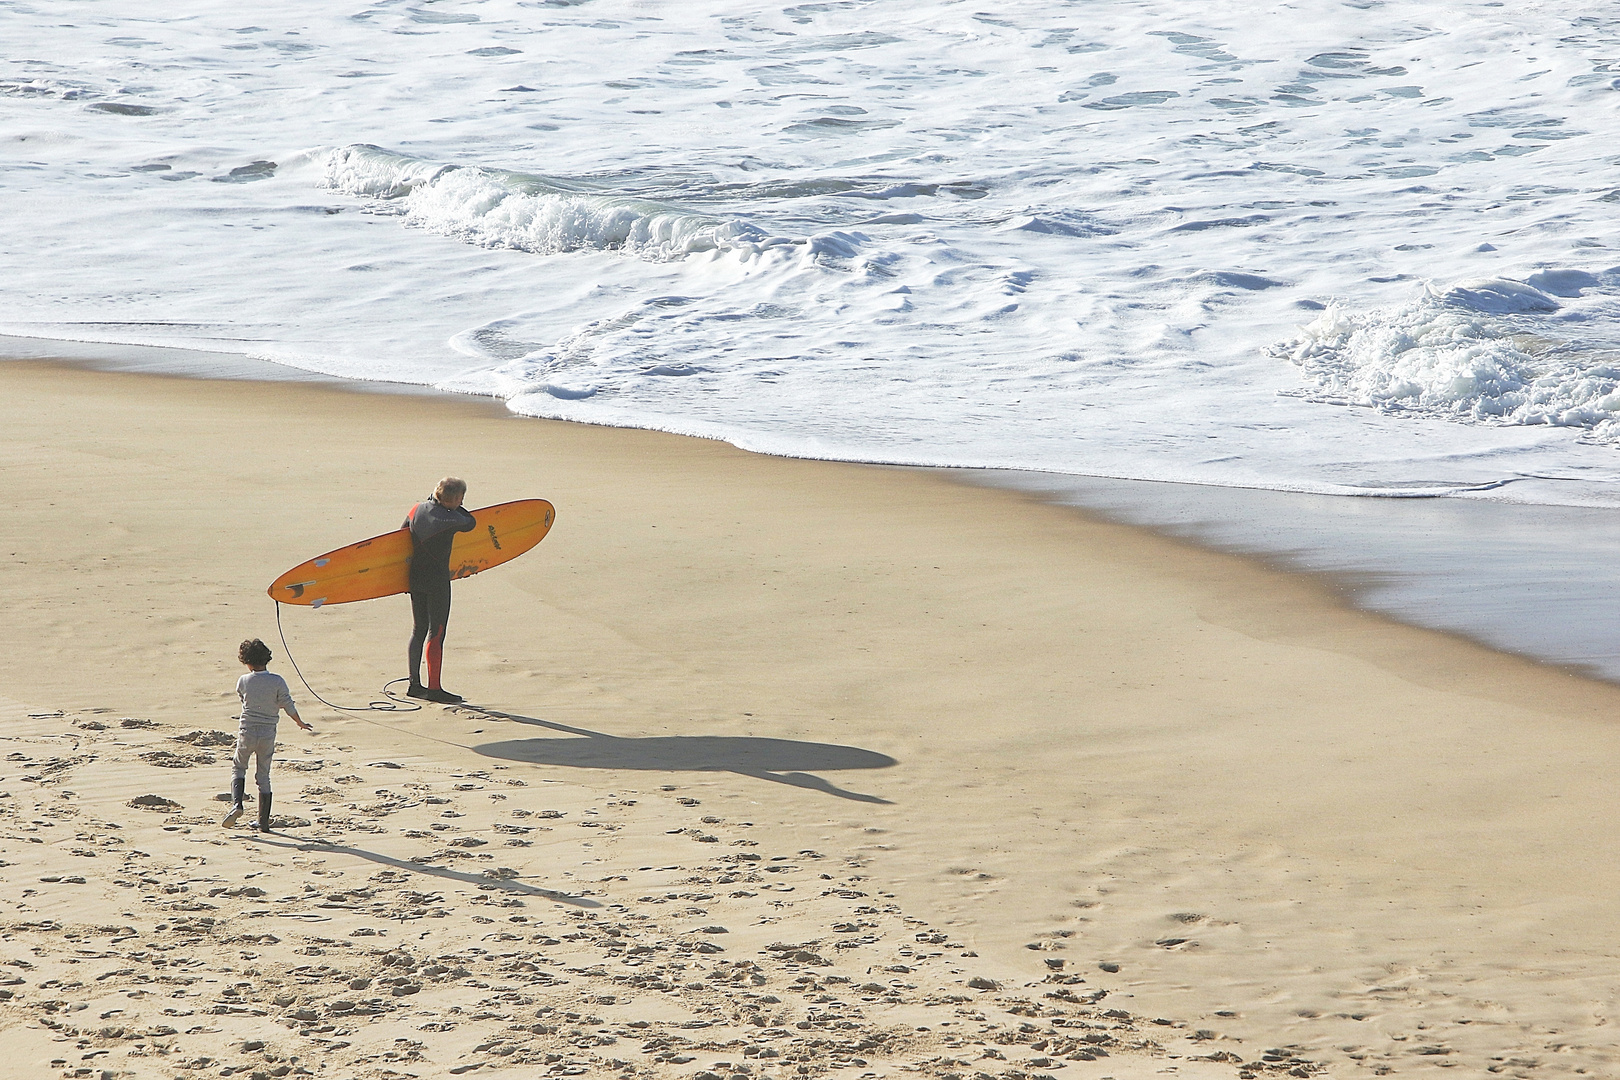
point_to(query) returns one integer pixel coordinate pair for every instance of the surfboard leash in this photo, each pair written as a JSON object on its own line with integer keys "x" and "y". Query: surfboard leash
{"x": 388, "y": 703}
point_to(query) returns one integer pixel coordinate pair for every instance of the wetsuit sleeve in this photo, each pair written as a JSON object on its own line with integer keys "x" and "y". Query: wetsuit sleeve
{"x": 468, "y": 522}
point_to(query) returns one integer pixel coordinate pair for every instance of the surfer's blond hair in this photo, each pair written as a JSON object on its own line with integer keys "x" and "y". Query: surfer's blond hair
{"x": 449, "y": 487}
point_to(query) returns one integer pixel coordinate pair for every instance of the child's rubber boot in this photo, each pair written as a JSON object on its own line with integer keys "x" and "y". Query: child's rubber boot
{"x": 238, "y": 793}
{"x": 264, "y": 811}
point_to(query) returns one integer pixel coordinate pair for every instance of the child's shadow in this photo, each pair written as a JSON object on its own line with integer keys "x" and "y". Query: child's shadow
{"x": 781, "y": 761}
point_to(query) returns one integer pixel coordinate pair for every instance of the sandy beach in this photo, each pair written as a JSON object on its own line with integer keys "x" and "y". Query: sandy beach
{"x": 768, "y": 768}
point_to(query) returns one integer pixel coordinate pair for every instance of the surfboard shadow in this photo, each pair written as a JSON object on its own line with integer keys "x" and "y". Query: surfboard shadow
{"x": 780, "y": 761}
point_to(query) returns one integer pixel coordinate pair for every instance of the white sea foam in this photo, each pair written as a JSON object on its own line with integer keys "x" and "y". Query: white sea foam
{"x": 530, "y": 213}
{"x": 1482, "y": 350}
{"x": 1033, "y": 238}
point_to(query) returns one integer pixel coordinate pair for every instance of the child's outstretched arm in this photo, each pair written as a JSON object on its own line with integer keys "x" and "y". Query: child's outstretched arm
{"x": 285, "y": 700}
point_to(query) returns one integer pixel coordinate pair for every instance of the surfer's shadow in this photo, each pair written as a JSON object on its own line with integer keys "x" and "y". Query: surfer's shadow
{"x": 780, "y": 761}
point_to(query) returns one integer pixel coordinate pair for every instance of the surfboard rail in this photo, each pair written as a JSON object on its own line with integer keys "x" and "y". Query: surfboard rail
{"x": 380, "y": 565}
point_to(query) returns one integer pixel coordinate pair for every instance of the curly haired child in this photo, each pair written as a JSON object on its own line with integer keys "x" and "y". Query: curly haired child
{"x": 264, "y": 695}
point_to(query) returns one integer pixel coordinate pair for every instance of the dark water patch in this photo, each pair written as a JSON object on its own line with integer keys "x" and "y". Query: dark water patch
{"x": 1513, "y": 118}
{"x": 805, "y": 13}
{"x": 1282, "y": 167}
{"x": 1132, "y": 100}
{"x": 495, "y": 342}
{"x": 836, "y": 125}
{"x": 785, "y": 75}
{"x": 785, "y": 189}
{"x": 867, "y": 39}
{"x": 1193, "y": 45}
{"x": 960, "y": 189}
{"x": 1347, "y": 60}
{"x": 119, "y": 108}
{"x": 1232, "y": 279}
{"x": 1222, "y": 223}
{"x": 494, "y": 50}
{"x": 246, "y": 174}
{"x": 424, "y": 15}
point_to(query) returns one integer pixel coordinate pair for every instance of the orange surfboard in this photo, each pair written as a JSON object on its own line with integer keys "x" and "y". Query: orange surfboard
{"x": 381, "y": 566}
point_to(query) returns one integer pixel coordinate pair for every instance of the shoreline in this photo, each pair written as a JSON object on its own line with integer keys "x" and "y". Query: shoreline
{"x": 1282, "y": 820}
{"x": 1484, "y": 570}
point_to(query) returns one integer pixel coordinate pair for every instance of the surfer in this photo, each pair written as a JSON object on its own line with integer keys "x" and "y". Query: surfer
{"x": 264, "y": 696}
{"x": 434, "y": 523}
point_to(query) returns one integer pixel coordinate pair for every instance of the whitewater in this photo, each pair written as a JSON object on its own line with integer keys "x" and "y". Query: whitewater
{"x": 1359, "y": 248}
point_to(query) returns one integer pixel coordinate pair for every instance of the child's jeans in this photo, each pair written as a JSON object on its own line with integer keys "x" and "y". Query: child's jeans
{"x": 248, "y": 745}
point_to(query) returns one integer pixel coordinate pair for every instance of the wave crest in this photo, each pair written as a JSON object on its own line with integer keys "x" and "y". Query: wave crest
{"x": 1479, "y": 351}
{"x": 544, "y": 215}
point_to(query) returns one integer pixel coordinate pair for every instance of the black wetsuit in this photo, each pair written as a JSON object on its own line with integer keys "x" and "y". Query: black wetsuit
{"x": 433, "y": 529}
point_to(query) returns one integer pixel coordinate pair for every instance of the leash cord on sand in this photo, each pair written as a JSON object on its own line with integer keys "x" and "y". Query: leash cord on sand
{"x": 388, "y": 702}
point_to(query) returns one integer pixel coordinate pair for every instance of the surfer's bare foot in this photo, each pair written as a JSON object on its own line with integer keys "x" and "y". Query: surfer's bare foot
{"x": 443, "y": 697}
{"x": 417, "y": 690}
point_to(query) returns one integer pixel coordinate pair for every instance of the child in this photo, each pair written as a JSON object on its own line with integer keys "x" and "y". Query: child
{"x": 263, "y": 696}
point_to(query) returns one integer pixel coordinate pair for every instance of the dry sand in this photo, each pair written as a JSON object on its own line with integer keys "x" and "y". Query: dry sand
{"x": 776, "y": 768}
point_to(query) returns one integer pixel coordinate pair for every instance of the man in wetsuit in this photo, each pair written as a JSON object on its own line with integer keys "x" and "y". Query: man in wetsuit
{"x": 433, "y": 524}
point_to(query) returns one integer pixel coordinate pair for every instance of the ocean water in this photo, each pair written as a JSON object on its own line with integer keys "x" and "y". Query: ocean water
{"x": 1344, "y": 248}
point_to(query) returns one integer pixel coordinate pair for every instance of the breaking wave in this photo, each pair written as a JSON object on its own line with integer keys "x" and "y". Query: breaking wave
{"x": 541, "y": 214}
{"x": 1485, "y": 350}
